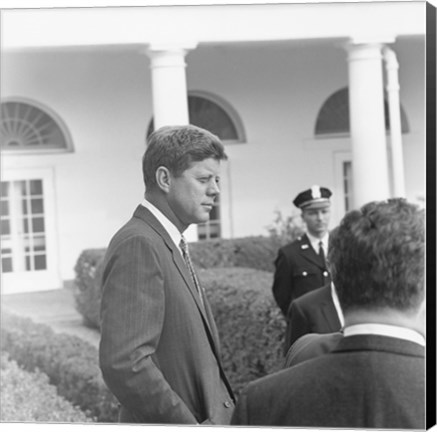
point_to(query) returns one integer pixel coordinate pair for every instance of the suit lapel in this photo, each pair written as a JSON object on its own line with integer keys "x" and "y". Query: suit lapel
{"x": 144, "y": 214}
{"x": 309, "y": 253}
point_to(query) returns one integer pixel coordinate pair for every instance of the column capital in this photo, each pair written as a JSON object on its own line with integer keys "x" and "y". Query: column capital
{"x": 166, "y": 54}
{"x": 361, "y": 48}
{"x": 380, "y": 39}
{"x": 364, "y": 51}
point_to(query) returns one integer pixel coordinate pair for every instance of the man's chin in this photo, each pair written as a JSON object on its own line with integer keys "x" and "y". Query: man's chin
{"x": 203, "y": 218}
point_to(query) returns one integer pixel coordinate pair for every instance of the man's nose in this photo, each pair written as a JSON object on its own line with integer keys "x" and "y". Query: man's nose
{"x": 213, "y": 188}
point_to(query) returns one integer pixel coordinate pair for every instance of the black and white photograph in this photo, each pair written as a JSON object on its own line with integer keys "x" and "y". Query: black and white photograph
{"x": 218, "y": 214}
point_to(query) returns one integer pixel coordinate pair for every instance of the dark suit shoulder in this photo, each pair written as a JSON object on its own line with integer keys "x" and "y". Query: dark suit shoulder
{"x": 380, "y": 343}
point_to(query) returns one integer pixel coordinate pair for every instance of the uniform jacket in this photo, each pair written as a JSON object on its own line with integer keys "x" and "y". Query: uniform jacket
{"x": 159, "y": 349}
{"x": 313, "y": 312}
{"x": 299, "y": 270}
{"x": 367, "y": 381}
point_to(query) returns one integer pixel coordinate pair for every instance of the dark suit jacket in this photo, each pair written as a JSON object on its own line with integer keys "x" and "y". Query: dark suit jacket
{"x": 298, "y": 271}
{"x": 311, "y": 345}
{"x": 313, "y": 312}
{"x": 159, "y": 349}
{"x": 367, "y": 381}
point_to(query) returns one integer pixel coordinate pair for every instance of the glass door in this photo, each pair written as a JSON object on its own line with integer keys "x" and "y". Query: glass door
{"x": 28, "y": 249}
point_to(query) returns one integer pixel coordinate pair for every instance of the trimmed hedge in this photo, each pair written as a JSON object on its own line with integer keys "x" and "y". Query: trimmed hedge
{"x": 70, "y": 363}
{"x": 28, "y": 397}
{"x": 250, "y": 325}
{"x": 257, "y": 253}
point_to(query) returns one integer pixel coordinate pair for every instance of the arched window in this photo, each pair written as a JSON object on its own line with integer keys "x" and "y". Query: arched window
{"x": 213, "y": 114}
{"x": 333, "y": 116}
{"x": 26, "y": 127}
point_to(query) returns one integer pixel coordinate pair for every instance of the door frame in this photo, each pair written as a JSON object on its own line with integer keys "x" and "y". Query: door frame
{"x": 40, "y": 280}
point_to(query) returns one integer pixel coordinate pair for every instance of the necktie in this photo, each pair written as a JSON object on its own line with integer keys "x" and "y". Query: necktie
{"x": 321, "y": 252}
{"x": 184, "y": 248}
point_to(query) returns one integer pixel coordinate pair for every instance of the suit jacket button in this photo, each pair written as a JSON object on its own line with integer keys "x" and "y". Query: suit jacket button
{"x": 325, "y": 273}
{"x": 304, "y": 273}
{"x": 227, "y": 404}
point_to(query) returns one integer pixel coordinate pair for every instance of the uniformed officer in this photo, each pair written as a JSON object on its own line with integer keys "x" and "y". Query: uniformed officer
{"x": 300, "y": 265}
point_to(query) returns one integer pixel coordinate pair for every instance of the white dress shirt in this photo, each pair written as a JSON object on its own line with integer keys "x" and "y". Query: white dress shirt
{"x": 169, "y": 226}
{"x": 385, "y": 330}
{"x": 315, "y": 242}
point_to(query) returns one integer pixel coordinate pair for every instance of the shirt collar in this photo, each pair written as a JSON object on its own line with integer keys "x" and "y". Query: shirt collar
{"x": 337, "y": 305}
{"x": 169, "y": 226}
{"x": 385, "y": 330}
{"x": 315, "y": 241}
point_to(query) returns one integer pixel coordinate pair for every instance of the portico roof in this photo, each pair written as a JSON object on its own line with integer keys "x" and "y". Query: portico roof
{"x": 211, "y": 24}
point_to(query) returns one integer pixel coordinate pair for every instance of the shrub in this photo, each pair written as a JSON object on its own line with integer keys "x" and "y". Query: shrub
{"x": 249, "y": 252}
{"x": 28, "y": 397}
{"x": 70, "y": 363}
{"x": 250, "y": 325}
{"x": 86, "y": 287}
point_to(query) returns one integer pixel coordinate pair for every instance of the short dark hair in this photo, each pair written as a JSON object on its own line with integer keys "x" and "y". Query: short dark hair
{"x": 377, "y": 256}
{"x": 176, "y": 147}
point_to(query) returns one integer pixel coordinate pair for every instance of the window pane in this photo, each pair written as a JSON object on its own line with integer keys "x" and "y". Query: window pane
{"x": 22, "y": 187}
{"x": 40, "y": 262}
{"x": 28, "y": 267}
{"x": 38, "y": 225}
{"x": 214, "y": 214}
{"x": 24, "y": 206}
{"x": 39, "y": 243}
{"x": 37, "y": 206}
{"x": 6, "y": 229}
{"x": 36, "y": 187}
{"x": 25, "y": 226}
{"x": 210, "y": 116}
{"x": 6, "y": 265}
{"x": 4, "y": 189}
{"x": 4, "y": 208}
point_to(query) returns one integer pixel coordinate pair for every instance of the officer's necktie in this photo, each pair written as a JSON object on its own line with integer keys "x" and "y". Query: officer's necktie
{"x": 184, "y": 248}
{"x": 322, "y": 252}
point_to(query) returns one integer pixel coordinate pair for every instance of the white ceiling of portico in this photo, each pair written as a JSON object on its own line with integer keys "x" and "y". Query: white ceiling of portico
{"x": 67, "y": 27}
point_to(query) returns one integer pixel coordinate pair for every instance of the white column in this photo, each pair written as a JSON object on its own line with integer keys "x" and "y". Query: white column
{"x": 169, "y": 84}
{"x": 394, "y": 108}
{"x": 367, "y": 126}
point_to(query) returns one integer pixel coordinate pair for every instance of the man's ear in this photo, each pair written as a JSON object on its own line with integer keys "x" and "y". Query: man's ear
{"x": 163, "y": 178}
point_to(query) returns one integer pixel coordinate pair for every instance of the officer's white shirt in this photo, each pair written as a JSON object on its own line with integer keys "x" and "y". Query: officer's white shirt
{"x": 315, "y": 242}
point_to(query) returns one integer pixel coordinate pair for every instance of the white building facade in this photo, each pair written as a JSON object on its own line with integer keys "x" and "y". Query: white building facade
{"x": 301, "y": 94}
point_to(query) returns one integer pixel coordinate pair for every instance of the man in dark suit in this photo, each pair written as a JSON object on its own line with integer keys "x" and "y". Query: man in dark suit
{"x": 315, "y": 312}
{"x": 375, "y": 376}
{"x": 300, "y": 266}
{"x": 159, "y": 349}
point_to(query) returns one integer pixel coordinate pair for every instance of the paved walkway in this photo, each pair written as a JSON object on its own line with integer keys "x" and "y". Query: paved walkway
{"x": 55, "y": 308}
